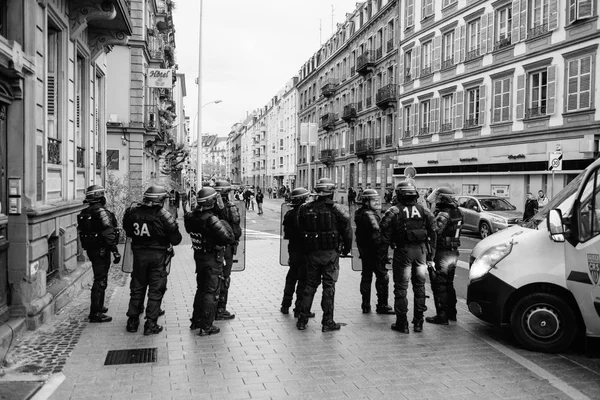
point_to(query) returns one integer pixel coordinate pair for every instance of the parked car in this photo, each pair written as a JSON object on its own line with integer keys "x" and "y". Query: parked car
{"x": 488, "y": 214}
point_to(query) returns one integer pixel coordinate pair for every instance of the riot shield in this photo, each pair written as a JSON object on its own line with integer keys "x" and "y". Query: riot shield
{"x": 283, "y": 243}
{"x": 239, "y": 258}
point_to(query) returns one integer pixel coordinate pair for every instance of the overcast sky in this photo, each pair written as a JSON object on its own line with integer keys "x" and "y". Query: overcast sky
{"x": 251, "y": 48}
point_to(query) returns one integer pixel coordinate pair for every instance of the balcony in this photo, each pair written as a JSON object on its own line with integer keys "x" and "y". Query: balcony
{"x": 365, "y": 148}
{"x": 365, "y": 63}
{"x": 472, "y": 54}
{"x": 471, "y": 122}
{"x": 349, "y": 113}
{"x": 535, "y": 112}
{"x": 390, "y": 45}
{"x": 426, "y": 71}
{"x": 424, "y": 130}
{"x": 156, "y": 48}
{"x": 447, "y": 127}
{"x": 503, "y": 43}
{"x": 328, "y": 121}
{"x": 151, "y": 118}
{"x": 538, "y": 31}
{"x": 386, "y": 96}
{"x": 328, "y": 87}
{"x": 448, "y": 63}
{"x": 327, "y": 157}
{"x": 53, "y": 151}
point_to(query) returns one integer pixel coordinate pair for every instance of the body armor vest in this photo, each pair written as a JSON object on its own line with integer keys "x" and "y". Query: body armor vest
{"x": 450, "y": 237}
{"x": 319, "y": 226}
{"x": 411, "y": 224}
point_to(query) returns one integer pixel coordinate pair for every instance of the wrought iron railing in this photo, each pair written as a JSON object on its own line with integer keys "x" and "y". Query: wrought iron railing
{"x": 156, "y": 47}
{"x": 536, "y": 112}
{"x": 364, "y": 60}
{"x": 407, "y": 133}
{"x": 364, "y": 146}
{"x": 426, "y": 71}
{"x": 386, "y": 93}
{"x": 80, "y": 157}
{"x": 538, "y": 31}
{"x": 53, "y": 151}
{"x": 448, "y": 62}
{"x": 447, "y": 127}
{"x": 471, "y": 122}
{"x": 472, "y": 54}
{"x": 424, "y": 130}
{"x": 349, "y": 111}
{"x": 502, "y": 43}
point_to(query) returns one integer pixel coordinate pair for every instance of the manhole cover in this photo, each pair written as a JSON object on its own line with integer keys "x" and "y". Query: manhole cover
{"x": 130, "y": 356}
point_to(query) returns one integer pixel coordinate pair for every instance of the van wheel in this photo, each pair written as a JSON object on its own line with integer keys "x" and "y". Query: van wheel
{"x": 543, "y": 322}
{"x": 484, "y": 230}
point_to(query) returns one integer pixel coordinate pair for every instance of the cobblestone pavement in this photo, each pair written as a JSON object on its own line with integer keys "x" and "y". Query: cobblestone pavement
{"x": 261, "y": 355}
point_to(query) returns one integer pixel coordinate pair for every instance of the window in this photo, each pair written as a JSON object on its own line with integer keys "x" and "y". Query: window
{"x": 503, "y": 27}
{"x": 473, "y": 39}
{"x": 409, "y": 13}
{"x": 538, "y": 93}
{"x": 447, "y": 113}
{"x": 390, "y": 36}
{"x": 378, "y": 172}
{"x": 426, "y": 8}
{"x": 579, "y": 79}
{"x": 448, "y": 50}
{"x": 580, "y": 9}
{"x": 539, "y": 18}
{"x": 472, "y": 108}
{"x": 407, "y": 118}
{"x": 426, "y": 56}
{"x": 501, "y": 100}
{"x": 52, "y": 82}
{"x": 425, "y": 115}
{"x": 112, "y": 159}
{"x": 407, "y": 65}
{"x": 446, "y": 3}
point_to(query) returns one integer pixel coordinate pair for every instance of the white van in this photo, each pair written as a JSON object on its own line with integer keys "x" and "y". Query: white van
{"x": 542, "y": 279}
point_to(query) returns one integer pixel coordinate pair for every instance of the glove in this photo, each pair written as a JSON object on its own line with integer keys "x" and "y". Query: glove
{"x": 116, "y": 257}
{"x": 431, "y": 264}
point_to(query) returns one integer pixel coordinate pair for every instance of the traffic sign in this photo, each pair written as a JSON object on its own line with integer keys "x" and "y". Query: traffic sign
{"x": 555, "y": 161}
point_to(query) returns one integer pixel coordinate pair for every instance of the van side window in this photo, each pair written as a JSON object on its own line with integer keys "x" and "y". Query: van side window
{"x": 589, "y": 212}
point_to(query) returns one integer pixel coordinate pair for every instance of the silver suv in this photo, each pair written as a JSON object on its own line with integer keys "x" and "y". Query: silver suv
{"x": 488, "y": 214}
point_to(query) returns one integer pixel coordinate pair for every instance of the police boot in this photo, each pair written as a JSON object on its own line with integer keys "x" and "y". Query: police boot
{"x": 133, "y": 324}
{"x": 223, "y": 314}
{"x": 308, "y": 315}
{"x": 331, "y": 325}
{"x": 401, "y": 326}
{"x": 99, "y": 318}
{"x": 209, "y": 330}
{"x": 302, "y": 321}
{"x": 194, "y": 325}
{"x": 152, "y": 328}
{"x": 439, "y": 319}
{"x": 385, "y": 309}
{"x": 418, "y": 324}
{"x": 366, "y": 306}
{"x": 284, "y": 310}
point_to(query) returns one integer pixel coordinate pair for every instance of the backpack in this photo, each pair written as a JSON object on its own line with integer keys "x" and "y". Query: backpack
{"x": 412, "y": 223}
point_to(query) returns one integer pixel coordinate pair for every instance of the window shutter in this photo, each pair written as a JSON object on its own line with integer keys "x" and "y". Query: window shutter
{"x": 429, "y": 7}
{"x": 481, "y": 105}
{"x": 459, "y": 109}
{"x": 51, "y": 95}
{"x": 523, "y": 26}
{"x": 497, "y": 101}
{"x": 551, "y": 106}
{"x": 463, "y": 43}
{"x": 415, "y": 119}
{"x": 457, "y": 45}
{"x": 437, "y": 53}
{"x": 483, "y": 23}
{"x": 585, "y": 77}
{"x": 585, "y": 9}
{"x": 516, "y": 21}
{"x": 520, "y": 97}
{"x": 402, "y": 71}
{"x": 435, "y": 115}
{"x": 572, "y": 85}
{"x": 506, "y": 88}
{"x": 416, "y": 62}
{"x": 553, "y": 15}
{"x": 490, "y": 35}
{"x": 400, "y": 124}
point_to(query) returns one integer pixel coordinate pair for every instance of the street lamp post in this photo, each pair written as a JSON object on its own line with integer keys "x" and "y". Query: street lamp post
{"x": 199, "y": 128}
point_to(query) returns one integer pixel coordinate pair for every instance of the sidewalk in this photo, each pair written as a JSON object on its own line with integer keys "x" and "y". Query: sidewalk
{"x": 261, "y": 355}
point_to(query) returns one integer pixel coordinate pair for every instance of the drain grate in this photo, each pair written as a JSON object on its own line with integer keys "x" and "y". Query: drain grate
{"x": 130, "y": 356}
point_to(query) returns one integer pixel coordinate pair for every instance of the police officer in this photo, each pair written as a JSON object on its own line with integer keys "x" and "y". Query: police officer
{"x": 448, "y": 223}
{"x": 153, "y": 231}
{"x": 368, "y": 241}
{"x": 408, "y": 228}
{"x": 230, "y": 213}
{"x": 326, "y": 228}
{"x": 99, "y": 236}
{"x": 210, "y": 235}
{"x": 297, "y": 254}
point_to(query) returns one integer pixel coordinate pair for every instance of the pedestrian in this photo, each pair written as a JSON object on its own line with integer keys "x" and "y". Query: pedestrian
{"x": 154, "y": 232}
{"x": 231, "y": 214}
{"x": 531, "y": 207}
{"x": 408, "y": 228}
{"x": 259, "y": 200}
{"x": 252, "y": 199}
{"x": 210, "y": 236}
{"x": 295, "y": 280}
{"x": 351, "y": 196}
{"x": 368, "y": 241}
{"x": 542, "y": 200}
{"x": 99, "y": 235}
{"x": 247, "y": 195}
{"x": 173, "y": 204}
{"x": 184, "y": 200}
{"x": 270, "y": 191}
{"x": 326, "y": 228}
{"x": 447, "y": 225}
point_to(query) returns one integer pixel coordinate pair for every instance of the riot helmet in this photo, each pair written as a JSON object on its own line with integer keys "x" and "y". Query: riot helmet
{"x": 298, "y": 196}
{"x": 406, "y": 192}
{"x": 325, "y": 187}
{"x": 222, "y": 186}
{"x": 94, "y": 194}
{"x": 206, "y": 197}
{"x": 445, "y": 197}
{"x": 155, "y": 195}
{"x": 370, "y": 197}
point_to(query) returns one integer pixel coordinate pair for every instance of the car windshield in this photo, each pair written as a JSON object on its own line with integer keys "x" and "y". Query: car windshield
{"x": 496, "y": 205}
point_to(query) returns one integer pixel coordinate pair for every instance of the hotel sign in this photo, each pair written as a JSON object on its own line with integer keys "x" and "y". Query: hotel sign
{"x": 159, "y": 78}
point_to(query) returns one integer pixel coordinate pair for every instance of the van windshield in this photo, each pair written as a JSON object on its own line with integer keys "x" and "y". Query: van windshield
{"x": 563, "y": 201}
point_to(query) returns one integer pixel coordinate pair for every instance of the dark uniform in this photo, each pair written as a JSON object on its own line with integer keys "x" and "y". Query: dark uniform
{"x": 231, "y": 214}
{"x": 408, "y": 228}
{"x": 326, "y": 228}
{"x": 99, "y": 236}
{"x": 368, "y": 241}
{"x": 153, "y": 232}
{"x": 297, "y": 254}
{"x": 210, "y": 235}
{"x": 448, "y": 223}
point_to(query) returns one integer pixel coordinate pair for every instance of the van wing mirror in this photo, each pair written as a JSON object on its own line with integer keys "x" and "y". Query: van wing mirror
{"x": 555, "y": 225}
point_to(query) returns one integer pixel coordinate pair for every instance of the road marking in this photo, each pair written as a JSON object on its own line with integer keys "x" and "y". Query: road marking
{"x": 536, "y": 369}
{"x": 252, "y": 232}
